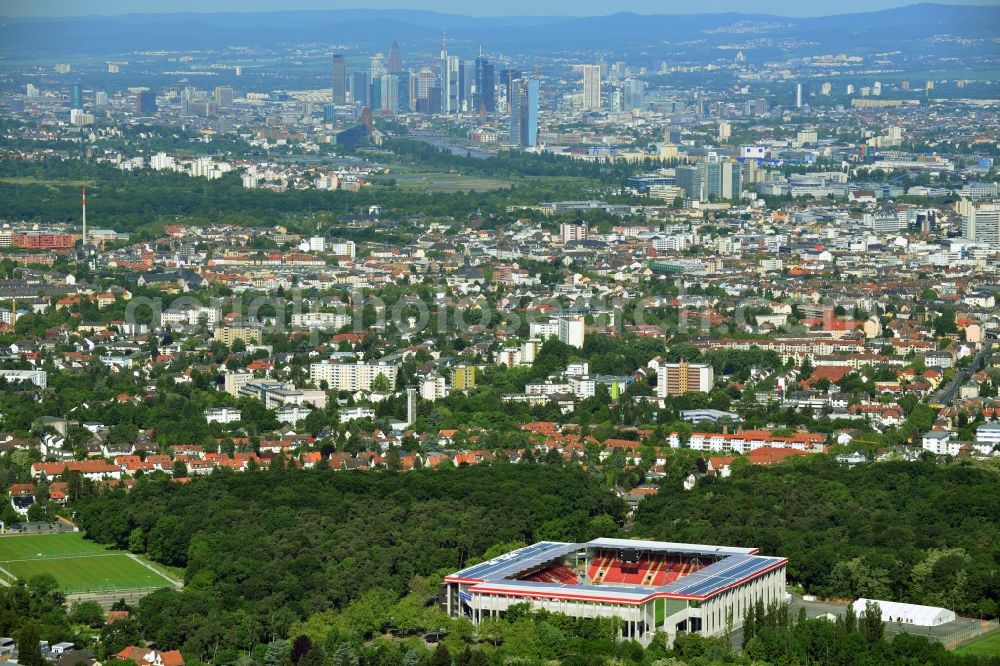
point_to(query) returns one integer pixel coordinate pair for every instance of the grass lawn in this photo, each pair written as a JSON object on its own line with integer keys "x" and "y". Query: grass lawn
{"x": 53, "y": 182}
{"x": 988, "y": 646}
{"x": 76, "y": 564}
{"x": 445, "y": 182}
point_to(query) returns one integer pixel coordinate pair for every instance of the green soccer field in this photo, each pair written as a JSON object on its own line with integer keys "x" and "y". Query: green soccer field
{"x": 76, "y": 564}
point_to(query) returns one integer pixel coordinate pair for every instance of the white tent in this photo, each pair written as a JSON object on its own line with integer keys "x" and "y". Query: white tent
{"x": 923, "y": 616}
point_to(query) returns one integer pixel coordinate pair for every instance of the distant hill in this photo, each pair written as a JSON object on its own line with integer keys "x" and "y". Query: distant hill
{"x": 367, "y": 27}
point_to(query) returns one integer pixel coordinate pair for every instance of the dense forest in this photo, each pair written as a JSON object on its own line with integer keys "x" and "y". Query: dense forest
{"x": 291, "y": 567}
{"x": 918, "y": 532}
{"x": 286, "y": 542}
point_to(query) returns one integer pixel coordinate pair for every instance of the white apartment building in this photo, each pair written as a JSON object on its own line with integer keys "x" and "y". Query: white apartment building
{"x": 940, "y": 443}
{"x": 161, "y": 162}
{"x": 191, "y": 317}
{"x": 982, "y": 222}
{"x": 329, "y": 320}
{"x": 509, "y": 356}
{"x": 751, "y": 440}
{"x": 433, "y": 388}
{"x": 573, "y": 231}
{"x": 680, "y": 378}
{"x": 342, "y": 249}
{"x": 292, "y": 414}
{"x": 583, "y": 387}
{"x": 350, "y": 376}
{"x": 568, "y": 329}
{"x": 352, "y": 413}
{"x": 37, "y": 377}
{"x": 547, "y": 388}
{"x": 223, "y": 415}
{"x": 988, "y": 434}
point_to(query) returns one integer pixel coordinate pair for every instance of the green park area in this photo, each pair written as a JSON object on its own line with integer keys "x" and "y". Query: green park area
{"x": 76, "y": 564}
{"x": 988, "y": 646}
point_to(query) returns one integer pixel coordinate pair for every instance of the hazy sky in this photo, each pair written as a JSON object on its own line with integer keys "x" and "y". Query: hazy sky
{"x": 472, "y": 8}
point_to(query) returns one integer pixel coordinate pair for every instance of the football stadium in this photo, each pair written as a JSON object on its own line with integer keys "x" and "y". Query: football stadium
{"x": 650, "y": 586}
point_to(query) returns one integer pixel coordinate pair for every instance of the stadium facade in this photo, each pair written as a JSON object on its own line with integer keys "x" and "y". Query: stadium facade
{"x": 651, "y": 586}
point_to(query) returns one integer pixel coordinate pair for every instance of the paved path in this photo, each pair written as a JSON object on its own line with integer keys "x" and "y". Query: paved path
{"x": 162, "y": 574}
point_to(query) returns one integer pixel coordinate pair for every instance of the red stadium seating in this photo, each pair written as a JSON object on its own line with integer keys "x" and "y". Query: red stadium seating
{"x": 651, "y": 570}
{"x": 558, "y": 574}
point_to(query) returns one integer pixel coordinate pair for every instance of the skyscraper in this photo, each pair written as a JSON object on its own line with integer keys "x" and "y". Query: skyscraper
{"x": 434, "y": 100}
{"x": 467, "y": 85}
{"x": 443, "y": 75}
{"x": 981, "y": 222}
{"x": 689, "y": 179}
{"x": 375, "y": 94}
{"x": 395, "y": 59}
{"x": 224, "y": 96}
{"x": 485, "y": 97}
{"x": 388, "y": 85}
{"x": 406, "y": 92}
{"x": 451, "y": 91}
{"x": 591, "y": 87}
{"x": 76, "y": 96}
{"x": 359, "y": 88}
{"x": 722, "y": 179}
{"x": 531, "y": 135}
{"x": 424, "y": 83}
{"x": 377, "y": 66}
{"x": 524, "y": 113}
{"x": 145, "y": 102}
{"x": 339, "y": 79}
{"x": 798, "y": 95}
{"x": 634, "y": 93}
{"x": 507, "y": 78}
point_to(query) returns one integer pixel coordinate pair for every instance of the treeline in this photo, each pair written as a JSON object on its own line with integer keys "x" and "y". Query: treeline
{"x": 140, "y": 200}
{"x": 288, "y": 567}
{"x": 294, "y": 542}
{"x": 379, "y": 630}
{"x": 512, "y": 163}
{"x": 916, "y": 532}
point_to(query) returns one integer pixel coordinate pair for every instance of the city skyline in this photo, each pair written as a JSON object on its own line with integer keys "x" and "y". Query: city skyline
{"x": 402, "y": 336}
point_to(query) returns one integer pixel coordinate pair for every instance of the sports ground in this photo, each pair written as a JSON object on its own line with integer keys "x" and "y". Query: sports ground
{"x": 77, "y": 565}
{"x": 984, "y": 647}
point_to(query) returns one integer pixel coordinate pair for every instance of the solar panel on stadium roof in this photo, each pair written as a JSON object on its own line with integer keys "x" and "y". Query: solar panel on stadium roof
{"x": 721, "y": 574}
{"x": 517, "y": 560}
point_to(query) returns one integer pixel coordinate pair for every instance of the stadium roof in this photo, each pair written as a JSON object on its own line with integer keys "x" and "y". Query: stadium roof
{"x": 669, "y": 547}
{"x": 732, "y": 567}
{"x": 516, "y": 561}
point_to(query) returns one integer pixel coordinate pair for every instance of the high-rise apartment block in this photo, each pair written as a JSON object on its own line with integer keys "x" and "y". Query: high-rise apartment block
{"x": 680, "y": 378}
{"x": 351, "y": 376}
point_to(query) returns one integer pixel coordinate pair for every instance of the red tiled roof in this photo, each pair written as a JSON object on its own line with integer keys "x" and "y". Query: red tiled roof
{"x": 143, "y": 656}
{"x": 768, "y": 455}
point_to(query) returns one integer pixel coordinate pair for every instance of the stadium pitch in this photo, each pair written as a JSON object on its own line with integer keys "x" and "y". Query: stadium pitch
{"x": 77, "y": 565}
